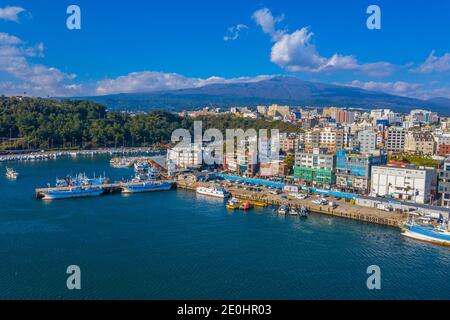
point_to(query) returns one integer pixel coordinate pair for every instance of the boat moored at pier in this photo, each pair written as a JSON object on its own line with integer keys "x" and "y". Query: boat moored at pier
{"x": 75, "y": 192}
{"x": 428, "y": 233}
{"x": 147, "y": 186}
{"x": 213, "y": 192}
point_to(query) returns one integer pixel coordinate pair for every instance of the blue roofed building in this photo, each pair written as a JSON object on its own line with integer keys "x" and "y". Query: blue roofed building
{"x": 353, "y": 170}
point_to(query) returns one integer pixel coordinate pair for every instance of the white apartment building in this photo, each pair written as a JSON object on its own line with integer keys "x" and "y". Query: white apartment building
{"x": 395, "y": 141}
{"x": 404, "y": 183}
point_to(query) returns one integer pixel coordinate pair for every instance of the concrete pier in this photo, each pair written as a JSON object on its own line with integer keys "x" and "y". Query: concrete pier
{"x": 343, "y": 209}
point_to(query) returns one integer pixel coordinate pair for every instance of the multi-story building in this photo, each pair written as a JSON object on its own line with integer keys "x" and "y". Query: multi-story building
{"x": 444, "y": 183}
{"x": 367, "y": 141}
{"x": 289, "y": 143}
{"x": 344, "y": 116}
{"x": 353, "y": 170}
{"x": 262, "y": 110}
{"x": 186, "y": 157}
{"x": 420, "y": 142}
{"x": 395, "y": 141}
{"x": 315, "y": 168}
{"x": 403, "y": 181}
{"x": 444, "y": 150}
{"x": 418, "y": 117}
{"x": 278, "y": 111}
{"x": 326, "y": 138}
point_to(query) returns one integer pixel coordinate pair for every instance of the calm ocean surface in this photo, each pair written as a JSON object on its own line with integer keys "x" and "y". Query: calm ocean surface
{"x": 177, "y": 245}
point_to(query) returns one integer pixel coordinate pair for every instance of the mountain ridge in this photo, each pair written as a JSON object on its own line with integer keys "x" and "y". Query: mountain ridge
{"x": 279, "y": 89}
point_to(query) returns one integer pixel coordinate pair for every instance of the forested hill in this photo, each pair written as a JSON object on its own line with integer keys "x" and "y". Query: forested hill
{"x": 43, "y": 123}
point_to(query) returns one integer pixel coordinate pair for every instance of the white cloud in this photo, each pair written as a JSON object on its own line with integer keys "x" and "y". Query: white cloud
{"x": 397, "y": 87}
{"x": 11, "y": 13}
{"x": 267, "y": 22}
{"x": 21, "y": 75}
{"x": 151, "y": 81}
{"x": 6, "y": 39}
{"x": 422, "y": 91}
{"x": 434, "y": 64}
{"x": 234, "y": 32}
{"x": 295, "y": 51}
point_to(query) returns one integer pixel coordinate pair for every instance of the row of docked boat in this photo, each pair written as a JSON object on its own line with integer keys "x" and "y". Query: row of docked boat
{"x": 245, "y": 205}
{"x": 47, "y": 155}
{"x": 120, "y": 163}
{"x": 293, "y": 211}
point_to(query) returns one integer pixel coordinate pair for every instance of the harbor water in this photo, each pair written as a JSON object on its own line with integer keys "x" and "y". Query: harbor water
{"x": 179, "y": 245}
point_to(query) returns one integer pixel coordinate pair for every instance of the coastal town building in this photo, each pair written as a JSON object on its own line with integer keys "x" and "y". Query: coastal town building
{"x": 403, "y": 181}
{"x": 419, "y": 142}
{"x": 276, "y": 111}
{"x": 326, "y": 138}
{"x": 186, "y": 157}
{"x": 315, "y": 168}
{"x": 367, "y": 141}
{"x": 395, "y": 141}
{"x": 353, "y": 170}
{"x": 444, "y": 183}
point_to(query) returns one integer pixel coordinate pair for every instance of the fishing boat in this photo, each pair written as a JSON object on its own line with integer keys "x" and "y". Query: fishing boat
{"x": 246, "y": 206}
{"x": 11, "y": 174}
{"x": 141, "y": 166}
{"x": 259, "y": 204}
{"x": 81, "y": 179}
{"x": 282, "y": 210}
{"x": 119, "y": 163}
{"x": 147, "y": 186}
{"x": 233, "y": 204}
{"x": 213, "y": 192}
{"x": 75, "y": 192}
{"x": 437, "y": 234}
{"x": 303, "y": 212}
{"x": 293, "y": 211}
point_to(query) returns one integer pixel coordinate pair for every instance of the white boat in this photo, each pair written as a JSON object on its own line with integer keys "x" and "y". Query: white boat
{"x": 427, "y": 233}
{"x": 213, "y": 192}
{"x": 148, "y": 186}
{"x": 76, "y": 192}
{"x": 11, "y": 174}
{"x": 282, "y": 210}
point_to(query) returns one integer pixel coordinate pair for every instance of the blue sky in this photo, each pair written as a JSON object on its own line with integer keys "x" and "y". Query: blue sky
{"x": 138, "y": 45}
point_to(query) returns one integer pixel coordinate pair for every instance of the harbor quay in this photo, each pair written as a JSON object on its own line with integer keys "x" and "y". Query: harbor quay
{"x": 108, "y": 188}
{"x": 341, "y": 209}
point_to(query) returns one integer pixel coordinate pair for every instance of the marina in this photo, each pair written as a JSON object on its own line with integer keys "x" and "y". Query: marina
{"x": 130, "y": 231}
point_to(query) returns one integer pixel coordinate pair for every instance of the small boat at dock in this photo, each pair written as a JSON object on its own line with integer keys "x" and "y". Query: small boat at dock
{"x": 246, "y": 206}
{"x": 213, "y": 192}
{"x": 303, "y": 212}
{"x": 259, "y": 204}
{"x": 120, "y": 163}
{"x": 283, "y": 210}
{"x": 293, "y": 211}
{"x": 233, "y": 204}
{"x": 11, "y": 174}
